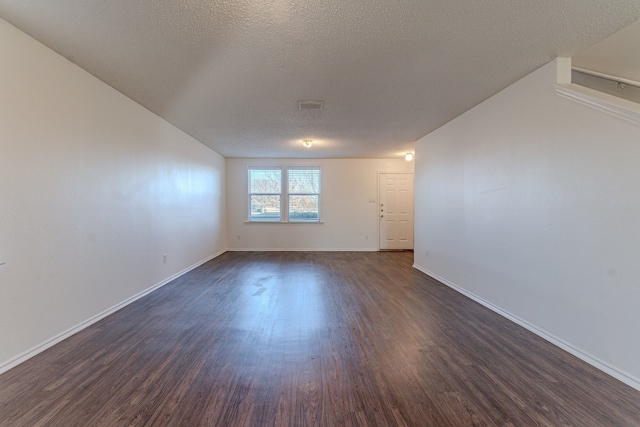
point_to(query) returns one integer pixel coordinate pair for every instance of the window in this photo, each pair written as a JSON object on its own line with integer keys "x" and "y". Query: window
{"x": 265, "y": 194}
{"x": 290, "y": 194}
{"x": 304, "y": 194}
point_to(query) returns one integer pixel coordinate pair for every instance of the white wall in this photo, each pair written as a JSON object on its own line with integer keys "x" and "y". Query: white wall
{"x": 347, "y": 213}
{"x": 530, "y": 203}
{"x": 94, "y": 189}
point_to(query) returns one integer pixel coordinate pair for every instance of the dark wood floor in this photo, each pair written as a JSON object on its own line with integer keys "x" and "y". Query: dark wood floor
{"x": 295, "y": 339}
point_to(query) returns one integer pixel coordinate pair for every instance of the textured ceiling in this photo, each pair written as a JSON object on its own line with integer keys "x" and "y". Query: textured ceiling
{"x": 230, "y": 73}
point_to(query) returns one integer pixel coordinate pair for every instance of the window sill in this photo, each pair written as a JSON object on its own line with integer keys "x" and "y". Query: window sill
{"x": 287, "y": 222}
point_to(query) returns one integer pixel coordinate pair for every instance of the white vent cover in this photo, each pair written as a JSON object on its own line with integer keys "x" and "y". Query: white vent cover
{"x": 310, "y": 105}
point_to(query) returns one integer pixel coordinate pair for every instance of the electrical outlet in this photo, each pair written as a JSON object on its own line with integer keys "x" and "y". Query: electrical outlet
{"x": 164, "y": 258}
{"x": 366, "y": 237}
{"x": 426, "y": 252}
{"x": 238, "y": 237}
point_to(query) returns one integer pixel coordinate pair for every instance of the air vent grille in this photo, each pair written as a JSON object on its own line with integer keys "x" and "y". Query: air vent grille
{"x": 310, "y": 105}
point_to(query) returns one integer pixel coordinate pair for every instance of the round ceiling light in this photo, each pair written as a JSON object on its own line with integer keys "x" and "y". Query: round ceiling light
{"x": 307, "y": 142}
{"x": 408, "y": 157}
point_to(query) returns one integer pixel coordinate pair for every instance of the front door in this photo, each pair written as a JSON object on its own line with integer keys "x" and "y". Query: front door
{"x": 396, "y": 210}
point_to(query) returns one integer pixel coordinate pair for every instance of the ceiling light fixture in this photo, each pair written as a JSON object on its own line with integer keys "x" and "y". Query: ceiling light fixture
{"x": 307, "y": 142}
{"x": 408, "y": 157}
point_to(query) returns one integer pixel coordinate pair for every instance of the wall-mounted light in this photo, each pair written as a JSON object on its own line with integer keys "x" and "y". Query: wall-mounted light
{"x": 307, "y": 143}
{"x": 408, "y": 157}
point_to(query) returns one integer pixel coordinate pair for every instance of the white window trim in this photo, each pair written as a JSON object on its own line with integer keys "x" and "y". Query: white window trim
{"x": 284, "y": 195}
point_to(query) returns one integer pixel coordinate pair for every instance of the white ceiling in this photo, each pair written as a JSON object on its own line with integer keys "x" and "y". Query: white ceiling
{"x": 230, "y": 73}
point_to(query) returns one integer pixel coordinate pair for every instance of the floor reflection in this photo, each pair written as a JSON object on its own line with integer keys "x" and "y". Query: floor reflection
{"x": 286, "y": 306}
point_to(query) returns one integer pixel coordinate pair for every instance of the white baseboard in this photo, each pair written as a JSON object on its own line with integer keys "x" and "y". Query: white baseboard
{"x": 626, "y": 378}
{"x": 302, "y": 249}
{"x": 13, "y": 362}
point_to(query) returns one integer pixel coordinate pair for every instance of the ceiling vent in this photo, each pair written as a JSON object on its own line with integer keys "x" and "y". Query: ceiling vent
{"x": 310, "y": 105}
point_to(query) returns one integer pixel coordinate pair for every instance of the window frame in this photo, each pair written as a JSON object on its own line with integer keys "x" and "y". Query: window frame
{"x": 289, "y": 193}
{"x": 251, "y": 194}
{"x": 284, "y": 195}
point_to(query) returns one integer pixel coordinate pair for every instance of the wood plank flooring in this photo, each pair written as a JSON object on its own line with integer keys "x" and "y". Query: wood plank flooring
{"x": 309, "y": 339}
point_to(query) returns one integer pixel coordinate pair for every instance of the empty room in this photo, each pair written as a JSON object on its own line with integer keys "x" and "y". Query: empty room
{"x": 319, "y": 213}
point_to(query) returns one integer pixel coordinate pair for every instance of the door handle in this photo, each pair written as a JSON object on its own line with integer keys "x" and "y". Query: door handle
{"x": 381, "y": 216}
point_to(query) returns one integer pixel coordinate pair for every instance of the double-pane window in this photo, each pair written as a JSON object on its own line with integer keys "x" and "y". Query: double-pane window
{"x": 304, "y": 194}
{"x": 265, "y": 194}
{"x": 289, "y": 194}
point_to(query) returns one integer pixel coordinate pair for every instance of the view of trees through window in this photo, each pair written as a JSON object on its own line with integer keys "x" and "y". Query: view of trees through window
{"x": 265, "y": 188}
{"x": 300, "y": 193}
{"x": 304, "y": 189}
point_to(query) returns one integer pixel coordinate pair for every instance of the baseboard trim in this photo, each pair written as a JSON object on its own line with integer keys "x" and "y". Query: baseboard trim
{"x": 605, "y": 367}
{"x": 302, "y": 249}
{"x": 23, "y": 357}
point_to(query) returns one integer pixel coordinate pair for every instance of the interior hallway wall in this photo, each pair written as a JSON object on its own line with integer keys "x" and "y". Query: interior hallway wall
{"x": 529, "y": 203}
{"x": 94, "y": 190}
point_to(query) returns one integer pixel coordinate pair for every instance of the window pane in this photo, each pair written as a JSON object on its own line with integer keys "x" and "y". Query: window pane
{"x": 303, "y": 208}
{"x": 304, "y": 181}
{"x": 265, "y": 208}
{"x": 265, "y": 181}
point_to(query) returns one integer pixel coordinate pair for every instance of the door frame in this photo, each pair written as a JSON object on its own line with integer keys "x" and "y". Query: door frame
{"x": 413, "y": 174}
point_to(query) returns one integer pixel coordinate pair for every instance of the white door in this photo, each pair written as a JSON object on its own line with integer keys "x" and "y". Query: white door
{"x": 396, "y": 210}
